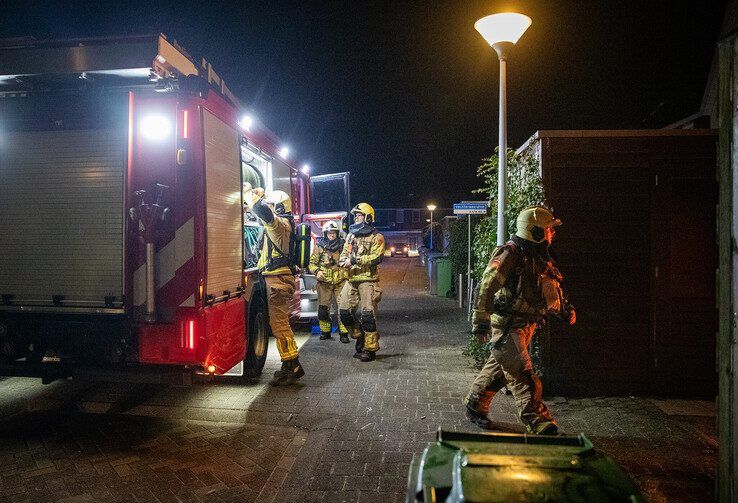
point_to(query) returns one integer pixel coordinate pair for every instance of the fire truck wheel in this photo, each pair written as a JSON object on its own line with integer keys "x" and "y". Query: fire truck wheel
{"x": 258, "y": 340}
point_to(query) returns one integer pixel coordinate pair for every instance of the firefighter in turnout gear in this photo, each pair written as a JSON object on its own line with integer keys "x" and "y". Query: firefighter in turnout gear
{"x": 361, "y": 255}
{"x": 275, "y": 264}
{"x": 520, "y": 286}
{"x": 331, "y": 278}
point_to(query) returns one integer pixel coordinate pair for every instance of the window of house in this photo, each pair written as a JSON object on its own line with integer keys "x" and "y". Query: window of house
{"x": 400, "y": 216}
{"x": 416, "y": 216}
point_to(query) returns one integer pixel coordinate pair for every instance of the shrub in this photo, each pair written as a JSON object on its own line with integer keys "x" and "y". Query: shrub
{"x": 524, "y": 188}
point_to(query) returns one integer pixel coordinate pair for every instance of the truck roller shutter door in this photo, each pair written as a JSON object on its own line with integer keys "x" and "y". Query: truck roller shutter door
{"x": 61, "y": 202}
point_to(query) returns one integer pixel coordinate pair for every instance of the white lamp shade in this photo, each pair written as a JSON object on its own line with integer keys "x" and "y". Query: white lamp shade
{"x": 431, "y": 207}
{"x": 506, "y": 27}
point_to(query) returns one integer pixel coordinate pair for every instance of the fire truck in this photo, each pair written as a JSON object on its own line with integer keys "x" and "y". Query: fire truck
{"x": 124, "y": 246}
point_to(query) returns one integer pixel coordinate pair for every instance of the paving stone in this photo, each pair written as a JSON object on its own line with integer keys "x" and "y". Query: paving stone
{"x": 347, "y": 433}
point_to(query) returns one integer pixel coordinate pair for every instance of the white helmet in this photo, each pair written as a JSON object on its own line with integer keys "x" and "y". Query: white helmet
{"x": 277, "y": 197}
{"x": 329, "y": 226}
{"x": 533, "y": 221}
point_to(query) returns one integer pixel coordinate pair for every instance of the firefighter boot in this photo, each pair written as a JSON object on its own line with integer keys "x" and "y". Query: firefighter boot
{"x": 477, "y": 408}
{"x": 368, "y": 356}
{"x": 292, "y": 373}
{"x": 359, "y": 346}
{"x": 371, "y": 346}
{"x": 342, "y": 332}
{"x": 282, "y": 370}
{"x": 324, "y": 320}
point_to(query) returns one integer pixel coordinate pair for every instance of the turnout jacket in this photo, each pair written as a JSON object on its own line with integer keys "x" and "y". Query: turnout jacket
{"x": 327, "y": 261}
{"x": 517, "y": 290}
{"x": 365, "y": 249}
{"x": 278, "y": 229}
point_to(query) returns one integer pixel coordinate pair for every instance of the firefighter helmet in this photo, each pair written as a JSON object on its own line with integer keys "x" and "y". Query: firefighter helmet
{"x": 533, "y": 221}
{"x": 329, "y": 226}
{"x": 365, "y": 210}
{"x": 280, "y": 200}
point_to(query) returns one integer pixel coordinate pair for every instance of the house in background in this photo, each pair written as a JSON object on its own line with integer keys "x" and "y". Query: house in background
{"x": 410, "y": 226}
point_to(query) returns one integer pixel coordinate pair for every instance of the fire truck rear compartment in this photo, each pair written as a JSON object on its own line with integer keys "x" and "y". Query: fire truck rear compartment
{"x": 62, "y": 175}
{"x": 62, "y": 171}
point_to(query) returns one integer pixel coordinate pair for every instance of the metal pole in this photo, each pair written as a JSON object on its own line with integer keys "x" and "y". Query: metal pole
{"x": 468, "y": 255}
{"x": 431, "y": 233}
{"x": 468, "y": 248}
{"x": 150, "y": 284}
{"x": 470, "y": 297}
{"x": 502, "y": 182}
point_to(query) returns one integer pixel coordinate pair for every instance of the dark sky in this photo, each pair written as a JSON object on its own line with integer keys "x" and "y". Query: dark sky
{"x": 404, "y": 93}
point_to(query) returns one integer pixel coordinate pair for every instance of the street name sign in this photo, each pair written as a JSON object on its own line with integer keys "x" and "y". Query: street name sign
{"x": 471, "y": 208}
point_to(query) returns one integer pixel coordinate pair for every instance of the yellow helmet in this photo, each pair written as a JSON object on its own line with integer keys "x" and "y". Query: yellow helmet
{"x": 277, "y": 198}
{"x": 365, "y": 210}
{"x": 533, "y": 221}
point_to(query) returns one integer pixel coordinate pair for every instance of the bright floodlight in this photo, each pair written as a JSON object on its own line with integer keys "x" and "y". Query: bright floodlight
{"x": 431, "y": 207}
{"x": 507, "y": 27}
{"x": 155, "y": 127}
{"x": 246, "y": 122}
{"x": 284, "y": 152}
{"x": 306, "y": 169}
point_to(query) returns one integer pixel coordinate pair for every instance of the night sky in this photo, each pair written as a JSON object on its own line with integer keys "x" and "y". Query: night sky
{"x": 404, "y": 94}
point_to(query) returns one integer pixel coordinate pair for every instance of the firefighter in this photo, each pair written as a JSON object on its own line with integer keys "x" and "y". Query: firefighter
{"x": 276, "y": 267}
{"x": 331, "y": 278}
{"x": 361, "y": 255}
{"x": 520, "y": 286}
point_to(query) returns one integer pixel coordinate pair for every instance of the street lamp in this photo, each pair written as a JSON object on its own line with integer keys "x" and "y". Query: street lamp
{"x": 431, "y": 207}
{"x": 501, "y": 31}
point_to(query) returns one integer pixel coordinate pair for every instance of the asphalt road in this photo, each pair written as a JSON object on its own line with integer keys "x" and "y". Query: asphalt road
{"x": 347, "y": 432}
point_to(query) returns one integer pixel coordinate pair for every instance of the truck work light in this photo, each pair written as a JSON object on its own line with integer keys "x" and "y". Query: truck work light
{"x": 246, "y": 122}
{"x": 155, "y": 127}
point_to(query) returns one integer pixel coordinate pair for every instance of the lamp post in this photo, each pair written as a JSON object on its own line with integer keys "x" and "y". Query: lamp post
{"x": 431, "y": 207}
{"x": 502, "y": 31}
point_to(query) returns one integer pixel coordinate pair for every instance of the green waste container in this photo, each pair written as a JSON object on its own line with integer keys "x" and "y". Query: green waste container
{"x": 444, "y": 277}
{"x": 500, "y": 467}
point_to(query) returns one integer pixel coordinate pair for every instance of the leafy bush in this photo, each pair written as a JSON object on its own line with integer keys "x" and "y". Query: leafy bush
{"x": 476, "y": 350}
{"x": 457, "y": 249}
{"x": 524, "y": 188}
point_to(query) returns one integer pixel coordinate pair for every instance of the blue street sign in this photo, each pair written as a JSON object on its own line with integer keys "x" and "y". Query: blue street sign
{"x": 476, "y": 208}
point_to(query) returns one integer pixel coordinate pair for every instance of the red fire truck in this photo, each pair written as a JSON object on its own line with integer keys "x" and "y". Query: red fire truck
{"x": 123, "y": 242}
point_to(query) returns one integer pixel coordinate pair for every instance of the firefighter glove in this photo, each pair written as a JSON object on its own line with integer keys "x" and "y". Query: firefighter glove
{"x": 252, "y": 195}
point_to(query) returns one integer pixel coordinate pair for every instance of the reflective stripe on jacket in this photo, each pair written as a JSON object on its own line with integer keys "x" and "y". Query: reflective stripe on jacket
{"x": 365, "y": 253}
{"x": 327, "y": 262}
{"x": 535, "y": 290}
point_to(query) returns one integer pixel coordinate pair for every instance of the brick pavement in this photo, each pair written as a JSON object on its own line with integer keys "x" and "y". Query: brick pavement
{"x": 347, "y": 433}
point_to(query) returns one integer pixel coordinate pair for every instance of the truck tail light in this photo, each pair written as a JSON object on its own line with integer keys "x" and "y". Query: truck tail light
{"x": 187, "y": 336}
{"x": 185, "y": 125}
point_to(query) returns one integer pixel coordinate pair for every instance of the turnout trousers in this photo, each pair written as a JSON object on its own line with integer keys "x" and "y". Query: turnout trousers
{"x": 328, "y": 293}
{"x": 280, "y": 290}
{"x": 509, "y": 364}
{"x": 357, "y": 309}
